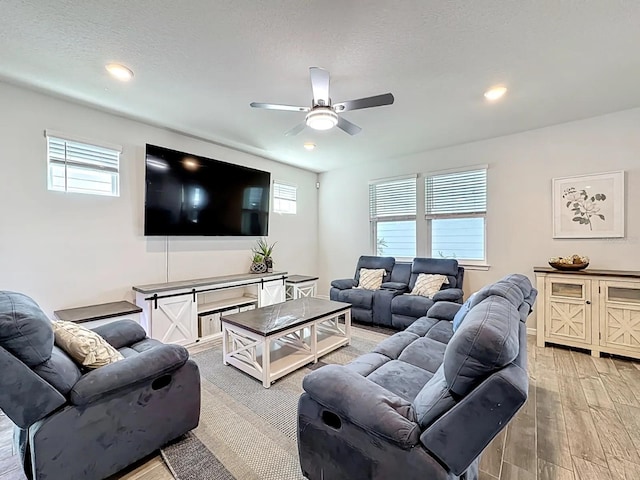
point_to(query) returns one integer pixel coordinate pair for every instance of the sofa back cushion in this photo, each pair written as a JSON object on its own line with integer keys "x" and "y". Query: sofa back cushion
{"x": 372, "y": 263}
{"x": 443, "y": 266}
{"x": 25, "y": 331}
{"x": 401, "y": 272}
{"x": 60, "y": 371}
{"x": 486, "y": 341}
{"x": 433, "y": 400}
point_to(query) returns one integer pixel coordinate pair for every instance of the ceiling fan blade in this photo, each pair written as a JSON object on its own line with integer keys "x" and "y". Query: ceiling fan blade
{"x": 368, "y": 102}
{"x": 273, "y": 106}
{"x": 296, "y": 130}
{"x": 347, "y": 126}
{"x": 320, "y": 85}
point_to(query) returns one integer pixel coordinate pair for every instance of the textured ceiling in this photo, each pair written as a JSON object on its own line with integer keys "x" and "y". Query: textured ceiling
{"x": 198, "y": 64}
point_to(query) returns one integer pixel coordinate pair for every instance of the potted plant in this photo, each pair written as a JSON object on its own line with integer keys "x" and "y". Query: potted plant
{"x": 264, "y": 250}
{"x": 257, "y": 264}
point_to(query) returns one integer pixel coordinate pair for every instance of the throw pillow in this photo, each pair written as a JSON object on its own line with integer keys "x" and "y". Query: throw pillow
{"x": 464, "y": 309}
{"x": 371, "y": 279}
{"x": 85, "y": 346}
{"x": 428, "y": 284}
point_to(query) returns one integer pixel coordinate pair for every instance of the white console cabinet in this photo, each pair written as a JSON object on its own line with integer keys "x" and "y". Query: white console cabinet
{"x": 187, "y": 311}
{"x": 598, "y": 310}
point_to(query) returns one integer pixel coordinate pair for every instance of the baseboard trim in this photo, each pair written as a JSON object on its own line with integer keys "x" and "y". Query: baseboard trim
{"x": 532, "y": 331}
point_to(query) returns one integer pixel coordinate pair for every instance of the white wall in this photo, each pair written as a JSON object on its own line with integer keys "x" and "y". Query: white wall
{"x": 519, "y": 220}
{"x": 69, "y": 250}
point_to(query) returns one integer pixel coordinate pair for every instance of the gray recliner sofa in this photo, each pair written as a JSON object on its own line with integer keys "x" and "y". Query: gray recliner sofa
{"x": 392, "y": 306}
{"x": 72, "y": 424}
{"x": 426, "y": 401}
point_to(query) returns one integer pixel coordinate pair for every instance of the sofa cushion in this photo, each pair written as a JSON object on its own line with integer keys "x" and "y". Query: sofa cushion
{"x": 393, "y": 346}
{"x": 370, "y": 279}
{"x": 443, "y": 266}
{"x": 433, "y": 400}
{"x": 428, "y": 284}
{"x": 422, "y": 325}
{"x": 502, "y": 288}
{"x": 59, "y": 370}
{"x": 425, "y": 353}
{"x": 415, "y": 306}
{"x": 403, "y": 379}
{"x": 367, "y": 363}
{"x": 486, "y": 341}
{"x": 357, "y": 297}
{"x": 441, "y": 332}
{"x": 372, "y": 262}
{"x": 25, "y": 331}
{"x": 85, "y": 346}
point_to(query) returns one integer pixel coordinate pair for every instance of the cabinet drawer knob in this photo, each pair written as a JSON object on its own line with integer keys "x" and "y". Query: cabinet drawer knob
{"x": 588, "y": 302}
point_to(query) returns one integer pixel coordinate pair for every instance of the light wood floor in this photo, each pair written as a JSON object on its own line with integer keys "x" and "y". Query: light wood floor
{"x": 581, "y": 422}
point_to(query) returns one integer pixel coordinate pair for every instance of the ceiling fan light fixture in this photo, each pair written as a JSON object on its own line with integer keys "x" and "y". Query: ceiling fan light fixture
{"x": 322, "y": 119}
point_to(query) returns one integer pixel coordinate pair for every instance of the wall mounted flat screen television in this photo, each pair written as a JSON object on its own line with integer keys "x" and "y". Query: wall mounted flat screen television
{"x": 191, "y": 195}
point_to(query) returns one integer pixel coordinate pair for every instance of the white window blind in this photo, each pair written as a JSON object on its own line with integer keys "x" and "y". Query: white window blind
{"x": 456, "y": 193}
{"x": 392, "y": 211}
{"x": 285, "y": 198}
{"x": 456, "y": 207}
{"x": 392, "y": 198}
{"x": 82, "y": 167}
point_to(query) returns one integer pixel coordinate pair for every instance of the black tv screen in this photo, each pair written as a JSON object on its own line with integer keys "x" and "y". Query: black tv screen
{"x": 191, "y": 195}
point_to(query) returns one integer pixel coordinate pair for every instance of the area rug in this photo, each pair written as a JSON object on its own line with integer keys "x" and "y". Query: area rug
{"x": 248, "y": 432}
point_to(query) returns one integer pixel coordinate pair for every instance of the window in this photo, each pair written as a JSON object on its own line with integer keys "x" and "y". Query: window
{"x": 392, "y": 211}
{"x": 456, "y": 207}
{"x": 284, "y": 198}
{"x": 81, "y": 167}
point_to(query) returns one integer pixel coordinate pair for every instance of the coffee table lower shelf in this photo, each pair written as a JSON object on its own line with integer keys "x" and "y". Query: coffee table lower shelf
{"x": 271, "y": 357}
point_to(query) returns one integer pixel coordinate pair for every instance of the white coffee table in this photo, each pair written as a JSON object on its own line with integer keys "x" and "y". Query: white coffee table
{"x": 270, "y": 342}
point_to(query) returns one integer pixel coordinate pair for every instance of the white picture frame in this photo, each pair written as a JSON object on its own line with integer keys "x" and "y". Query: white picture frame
{"x": 589, "y": 206}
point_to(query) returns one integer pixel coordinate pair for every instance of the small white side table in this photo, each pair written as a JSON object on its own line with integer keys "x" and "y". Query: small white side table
{"x": 299, "y": 286}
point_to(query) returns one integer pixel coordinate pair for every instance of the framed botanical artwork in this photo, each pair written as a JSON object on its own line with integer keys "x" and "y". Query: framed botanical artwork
{"x": 589, "y": 206}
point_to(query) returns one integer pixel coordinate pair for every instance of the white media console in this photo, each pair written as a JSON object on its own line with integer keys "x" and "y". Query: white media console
{"x": 187, "y": 311}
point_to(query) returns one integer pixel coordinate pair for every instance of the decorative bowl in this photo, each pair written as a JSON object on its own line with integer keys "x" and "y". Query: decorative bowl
{"x": 569, "y": 266}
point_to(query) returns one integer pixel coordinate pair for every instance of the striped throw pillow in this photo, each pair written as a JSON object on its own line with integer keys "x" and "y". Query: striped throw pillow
{"x": 428, "y": 284}
{"x": 371, "y": 279}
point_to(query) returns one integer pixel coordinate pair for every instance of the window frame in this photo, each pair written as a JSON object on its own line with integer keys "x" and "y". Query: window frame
{"x": 374, "y": 221}
{"x": 429, "y": 217}
{"x": 273, "y": 197}
{"x": 89, "y": 145}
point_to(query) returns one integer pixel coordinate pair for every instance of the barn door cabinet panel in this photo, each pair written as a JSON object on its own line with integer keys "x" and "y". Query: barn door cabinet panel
{"x": 189, "y": 311}
{"x": 598, "y": 310}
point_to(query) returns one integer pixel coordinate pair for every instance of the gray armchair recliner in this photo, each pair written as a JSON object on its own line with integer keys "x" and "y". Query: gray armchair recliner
{"x": 72, "y": 424}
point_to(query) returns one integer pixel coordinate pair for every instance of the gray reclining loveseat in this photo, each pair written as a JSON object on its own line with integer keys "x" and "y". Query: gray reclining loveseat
{"x": 72, "y": 424}
{"x": 391, "y": 305}
{"x": 426, "y": 401}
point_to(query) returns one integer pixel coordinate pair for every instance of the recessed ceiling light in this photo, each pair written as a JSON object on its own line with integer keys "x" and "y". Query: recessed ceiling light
{"x": 309, "y": 146}
{"x": 120, "y": 72}
{"x": 495, "y": 93}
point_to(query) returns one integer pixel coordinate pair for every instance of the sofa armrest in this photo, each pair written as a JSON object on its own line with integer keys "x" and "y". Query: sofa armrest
{"x": 399, "y": 286}
{"x": 121, "y": 333}
{"x": 126, "y": 374}
{"x": 449, "y": 295}
{"x": 444, "y": 310}
{"x": 459, "y": 436}
{"x": 344, "y": 283}
{"x": 366, "y": 404}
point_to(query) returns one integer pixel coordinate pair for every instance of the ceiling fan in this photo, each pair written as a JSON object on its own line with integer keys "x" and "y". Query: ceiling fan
{"x": 322, "y": 114}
